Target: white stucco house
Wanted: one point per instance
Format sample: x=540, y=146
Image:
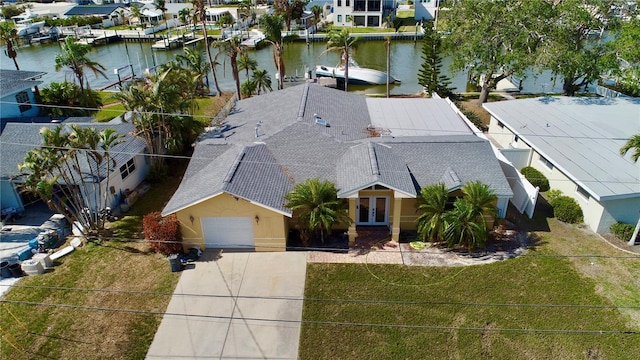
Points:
x=17, y=139
x=575, y=142
x=370, y=13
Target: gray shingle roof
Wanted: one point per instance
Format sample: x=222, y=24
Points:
x=12, y=81
x=18, y=139
x=469, y=156
x=94, y=9
x=580, y=136
x=249, y=172
x=291, y=148
x=372, y=163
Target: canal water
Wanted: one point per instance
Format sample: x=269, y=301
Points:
x=299, y=58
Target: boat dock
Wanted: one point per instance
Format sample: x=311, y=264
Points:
x=173, y=41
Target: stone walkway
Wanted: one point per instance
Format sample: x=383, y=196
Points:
x=391, y=252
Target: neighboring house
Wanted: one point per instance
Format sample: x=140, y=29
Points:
x=109, y=13
x=426, y=9
x=575, y=142
x=132, y=165
x=370, y=13
x=378, y=152
x=17, y=93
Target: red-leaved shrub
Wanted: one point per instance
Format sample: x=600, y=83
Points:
x=163, y=233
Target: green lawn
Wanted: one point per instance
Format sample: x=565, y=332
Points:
x=443, y=301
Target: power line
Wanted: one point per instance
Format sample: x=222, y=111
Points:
x=339, y=300
x=462, y=132
x=315, y=165
x=345, y=250
x=336, y=323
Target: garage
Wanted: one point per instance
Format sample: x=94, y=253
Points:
x=228, y=232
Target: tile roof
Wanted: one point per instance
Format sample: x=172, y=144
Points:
x=580, y=136
x=291, y=148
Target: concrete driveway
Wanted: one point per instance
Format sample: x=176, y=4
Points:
x=235, y=306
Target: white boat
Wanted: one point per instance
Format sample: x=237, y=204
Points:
x=26, y=27
x=357, y=74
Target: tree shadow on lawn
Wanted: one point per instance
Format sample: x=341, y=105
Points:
x=539, y=222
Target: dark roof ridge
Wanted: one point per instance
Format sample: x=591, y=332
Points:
x=234, y=166
x=303, y=102
x=375, y=169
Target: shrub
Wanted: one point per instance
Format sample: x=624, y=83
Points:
x=622, y=231
x=163, y=234
x=536, y=178
x=566, y=209
x=552, y=194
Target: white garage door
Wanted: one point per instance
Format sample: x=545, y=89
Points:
x=228, y=232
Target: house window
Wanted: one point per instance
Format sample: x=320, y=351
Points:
x=127, y=169
x=348, y=3
x=23, y=101
x=500, y=125
x=339, y=18
x=546, y=162
x=515, y=139
x=580, y=190
x=339, y=4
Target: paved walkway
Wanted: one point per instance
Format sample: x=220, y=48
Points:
x=235, y=306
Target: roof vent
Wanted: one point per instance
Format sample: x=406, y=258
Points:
x=320, y=121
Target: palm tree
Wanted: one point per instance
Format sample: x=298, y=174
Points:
x=249, y=88
x=136, y=11
x=632, y=144
x=262, y=80
x=272, y=29
x=433, y=202
x=74, y=56
x=161, y=5
x=466, y=224
x=317, y=11
x=9, y=35
x=317, y=206
x=463, y=227
x=342, y=42
x=185, y=16
x=481, y=198
x=201, y=14
x=194, y=59
x=232, y=48
x=246, y=63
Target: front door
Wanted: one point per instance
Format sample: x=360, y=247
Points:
x=373, y=210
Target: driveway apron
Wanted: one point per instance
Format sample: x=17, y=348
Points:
x=235, y=306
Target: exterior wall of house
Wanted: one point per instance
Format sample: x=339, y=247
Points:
x=425, y=9
x=270, y=232
x=9, y=107
x=623, y=210
x=502, y=135
x=368, y=13
x=9, y=197
x=130, y=182
x=409, y=214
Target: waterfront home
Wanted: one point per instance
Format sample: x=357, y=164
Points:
x=370, y=13
x=379, y=152
x=575, y=142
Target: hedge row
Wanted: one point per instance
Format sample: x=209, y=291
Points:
x=622, y=231
x=536, y=178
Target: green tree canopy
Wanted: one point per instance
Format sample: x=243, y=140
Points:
x=430, y=75
x=493, y=39
x=432, y=207
x=290, y=10
x=566, y=46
